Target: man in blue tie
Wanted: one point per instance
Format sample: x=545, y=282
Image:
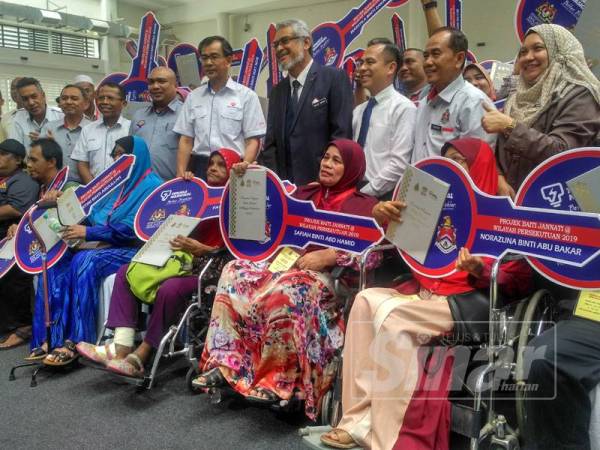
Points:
x=309, y=108
x=384, y=126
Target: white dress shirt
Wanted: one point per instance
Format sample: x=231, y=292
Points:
x=221, y=119
x=301, y=78
x=454, y=113
x=23, y=124
x=97, y=142
x=389, y=142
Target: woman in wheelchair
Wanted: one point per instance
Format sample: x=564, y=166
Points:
x=74, y=282
x=120, y=356
x=384, y=400
x=275, y=335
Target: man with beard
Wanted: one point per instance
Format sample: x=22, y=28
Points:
x=36, y=114
x=220, y=113
x=74, y=102
x=154, y=123
x=307, y=109
x=97, y=140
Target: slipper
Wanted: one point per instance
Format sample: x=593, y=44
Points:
x=62, y=358
x=131, y=366
x=212, y=379
x=100, y=354
x=269, y=397
x=325, y=439
x=23, y=337
x=36, y=354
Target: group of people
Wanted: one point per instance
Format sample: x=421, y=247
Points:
x=271, y=335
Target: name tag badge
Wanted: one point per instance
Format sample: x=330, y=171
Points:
x=318, y=102
x=436, y=128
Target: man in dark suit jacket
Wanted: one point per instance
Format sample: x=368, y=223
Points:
x=308, y=109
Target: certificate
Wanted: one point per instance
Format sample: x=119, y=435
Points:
x=247, y=205
x=7, y=251
x=157, y=250
x=47, y=228
x=424, y=196
x=69, y=208
x=586, y=190
x=188, y=70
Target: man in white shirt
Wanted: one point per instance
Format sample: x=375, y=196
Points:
x=452, y=108
x=36, y=114
x=221, y=113
x=92, y=151
x=384, y=126
x=412, y=75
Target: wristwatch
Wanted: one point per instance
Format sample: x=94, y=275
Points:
x=432, y=4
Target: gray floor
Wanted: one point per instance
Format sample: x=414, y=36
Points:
x=89, y=409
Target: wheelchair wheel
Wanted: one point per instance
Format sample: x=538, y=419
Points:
x=192, y=373
x=325, y=413
x=537, y=319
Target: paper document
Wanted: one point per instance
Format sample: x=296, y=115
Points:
x=247, y=205
x=588, y=305
x=69, y=208
x=586, y=190
x=284, y=261
x=157, y=250
x=188, y=70
x=7, y=251
x=47, y=228
x=424, y=196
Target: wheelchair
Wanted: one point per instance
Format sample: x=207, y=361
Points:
x=183, y=339
x=495, y=330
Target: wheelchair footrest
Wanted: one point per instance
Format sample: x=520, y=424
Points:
x=466, y=421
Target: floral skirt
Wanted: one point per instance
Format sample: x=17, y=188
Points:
x=277, y=331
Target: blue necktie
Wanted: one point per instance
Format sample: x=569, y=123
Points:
x=364, y=123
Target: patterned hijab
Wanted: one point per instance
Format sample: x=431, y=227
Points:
x=567, y=68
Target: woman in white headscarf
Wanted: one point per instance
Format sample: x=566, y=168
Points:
x=556, y=106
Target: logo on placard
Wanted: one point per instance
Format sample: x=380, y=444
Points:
x=164, y=195
x=546, y=12
x=184, y=210
x=553, y=194
x=34, y=248
x=158, y=215
x=330, y=56
x=445, y=239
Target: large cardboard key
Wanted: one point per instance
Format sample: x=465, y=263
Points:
x=297, y=223
x=534, y=12
x=330, y=39
x=250, y=65
x=27, y=248
x=492, y=226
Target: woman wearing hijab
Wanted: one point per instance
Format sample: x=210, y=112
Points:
x=476, y=75
x=384, y=400
x=74, y=283
x=273, y=334
x=120, y=356
x=556, y=106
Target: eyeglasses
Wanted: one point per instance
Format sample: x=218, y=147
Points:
x=284, y=41
x=213, y=57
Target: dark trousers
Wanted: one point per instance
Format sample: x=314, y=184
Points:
x=16, y=293
x=569, y=369
x=198, y=164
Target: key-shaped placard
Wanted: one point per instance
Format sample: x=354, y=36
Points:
x=297, y=223
x=330, y=39
x=250, y=66
x=398, y=32
x=136, y=83
x=535, y=12
x=27, y=248
x=454, y=14
x=492, y=226
x=275, y=75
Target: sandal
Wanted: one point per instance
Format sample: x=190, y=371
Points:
x=347, y=442
x=131, y=366
x=23, y=335
x=60, y=357
x=268, y=398
x=36, y=354
x=100, y=354
x=212, y=379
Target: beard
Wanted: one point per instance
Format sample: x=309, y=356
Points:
x=291, y=63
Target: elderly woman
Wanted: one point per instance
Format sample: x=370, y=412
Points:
x=120, y=356
x=477, y=75
x=556, y=106
x=273, y=334
x=384, y=398
x=74, y=283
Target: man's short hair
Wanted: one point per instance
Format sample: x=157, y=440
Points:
x=299, y=27
x=458, y=41
x=28, y=81
x=391, y=50
x=50, y=150
x=413, y=49
x=112, y=84
x=225, y=45
x=74, y=86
